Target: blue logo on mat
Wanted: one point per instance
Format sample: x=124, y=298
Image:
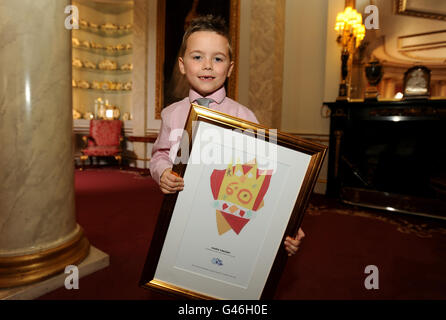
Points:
x=217, y=261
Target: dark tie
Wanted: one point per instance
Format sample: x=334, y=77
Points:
x=204, y=102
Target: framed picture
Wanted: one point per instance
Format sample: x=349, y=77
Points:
x=173, y=18
x=416, y=82
x=429, y=9
x=246, y=189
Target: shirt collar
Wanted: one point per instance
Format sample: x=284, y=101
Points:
x=218, y=96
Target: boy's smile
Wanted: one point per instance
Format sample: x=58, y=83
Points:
x=206, y=62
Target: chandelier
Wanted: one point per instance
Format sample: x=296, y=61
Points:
x=349, y=27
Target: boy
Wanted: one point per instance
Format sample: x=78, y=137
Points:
x=206, y=62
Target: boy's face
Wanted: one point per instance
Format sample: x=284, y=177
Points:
x=206, y=63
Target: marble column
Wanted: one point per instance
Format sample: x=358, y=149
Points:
x=39, y=235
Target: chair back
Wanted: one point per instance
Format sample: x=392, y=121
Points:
x=106, y=132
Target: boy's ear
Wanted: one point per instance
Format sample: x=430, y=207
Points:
x=231, y=66
x=181, y=65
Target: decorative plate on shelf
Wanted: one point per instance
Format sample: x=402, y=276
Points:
x=116, y=113
x=108, y=64
x=126, y=116
x=88, y=116
x=76, y=114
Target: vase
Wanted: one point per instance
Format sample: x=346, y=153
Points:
x=373, y=73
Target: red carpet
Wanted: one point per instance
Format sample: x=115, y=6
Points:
x=118, y=211
x=410, y=256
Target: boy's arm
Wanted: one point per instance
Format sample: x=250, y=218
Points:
x=292, y=243
x=160, y=160
x=248, y=115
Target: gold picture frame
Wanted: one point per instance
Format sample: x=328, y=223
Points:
x=404, y=7
x=196, y=254
x=234, y=26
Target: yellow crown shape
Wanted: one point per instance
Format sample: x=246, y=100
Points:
x=244, y=185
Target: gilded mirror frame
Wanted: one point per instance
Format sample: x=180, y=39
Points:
x=403, y=8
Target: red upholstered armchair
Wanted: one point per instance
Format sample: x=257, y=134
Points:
x=104, y=140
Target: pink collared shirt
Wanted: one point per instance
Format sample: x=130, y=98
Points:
x=174, y=117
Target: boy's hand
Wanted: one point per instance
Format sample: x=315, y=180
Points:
x=292, y=244
x=170, y=182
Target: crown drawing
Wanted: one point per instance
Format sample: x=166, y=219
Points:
x=238, y=192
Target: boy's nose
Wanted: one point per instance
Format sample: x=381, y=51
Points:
x=207, y=64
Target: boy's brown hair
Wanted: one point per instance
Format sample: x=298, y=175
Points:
x=207, y=23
